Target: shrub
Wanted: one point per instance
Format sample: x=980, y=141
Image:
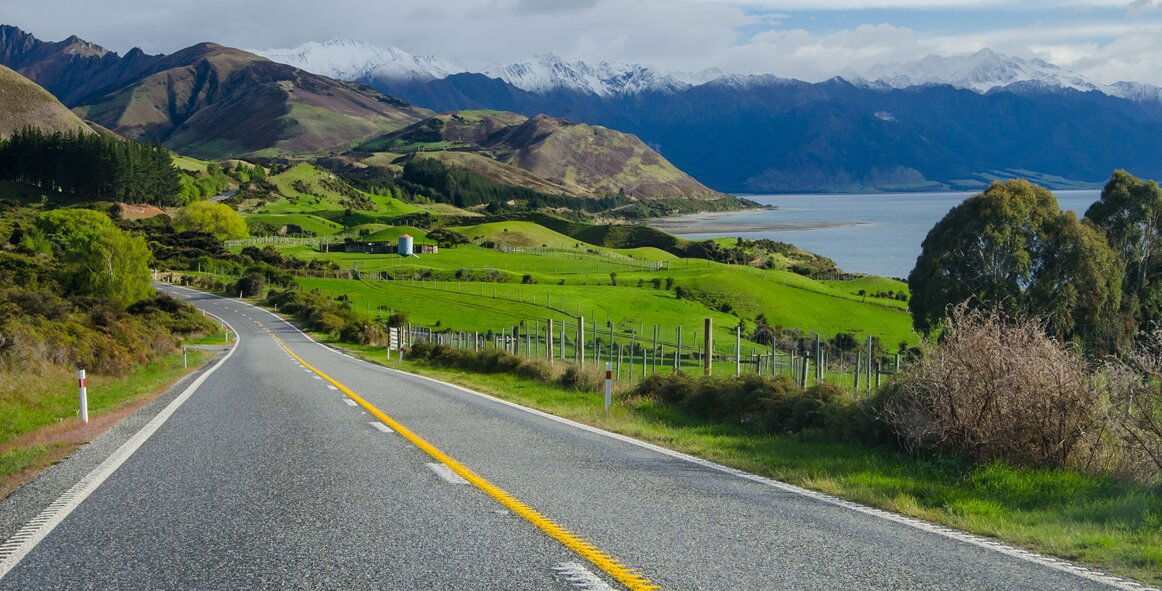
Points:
x=996, y=387
x=486, y=361
x=364, y=332
x=251, y=285
x=397, y=319
x=760, y=403
x=1133, y=387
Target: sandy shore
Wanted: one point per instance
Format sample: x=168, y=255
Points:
x=716, y=223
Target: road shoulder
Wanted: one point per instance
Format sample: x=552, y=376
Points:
x=27, y=501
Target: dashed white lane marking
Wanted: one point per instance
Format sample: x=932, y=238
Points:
x=446, y=473
x=580, y=577
x=330, y=387
x=317, y=377
x=380, y=426
x=349, y=402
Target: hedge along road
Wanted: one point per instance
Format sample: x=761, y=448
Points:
x=294, y=466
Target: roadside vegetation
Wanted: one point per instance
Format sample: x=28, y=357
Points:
x=1031, y=413
x=75, y=293
x=1015, y=390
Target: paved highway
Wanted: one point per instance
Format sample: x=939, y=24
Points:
x=287, y=465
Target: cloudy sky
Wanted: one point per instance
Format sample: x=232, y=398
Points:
x=1107, y=40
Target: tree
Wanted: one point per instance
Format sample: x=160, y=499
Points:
x=98, y=259
x=1130, y=214
x=215, y=219
x=1012, y=248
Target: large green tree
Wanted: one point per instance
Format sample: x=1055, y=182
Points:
x=216, y=219
x=1011, y=247
x=97, y=259
x=1130, y=214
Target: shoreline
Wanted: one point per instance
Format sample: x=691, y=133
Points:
x=713, y=223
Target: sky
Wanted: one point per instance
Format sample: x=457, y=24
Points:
x=1106, y=40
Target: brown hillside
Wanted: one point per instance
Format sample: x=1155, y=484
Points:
x=23, y=103
x=542, y=153
x=212, y=101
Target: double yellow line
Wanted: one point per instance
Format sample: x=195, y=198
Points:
x=618, y=571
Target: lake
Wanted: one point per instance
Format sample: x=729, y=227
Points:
x=866, y=233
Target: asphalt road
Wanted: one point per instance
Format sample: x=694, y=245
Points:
x=269, y=477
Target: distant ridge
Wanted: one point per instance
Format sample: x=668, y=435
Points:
x=207, y=100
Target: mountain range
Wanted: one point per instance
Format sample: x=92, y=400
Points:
x=934, y=124
x=214, y=102
x=939, y=123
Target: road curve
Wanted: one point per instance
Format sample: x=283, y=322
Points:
x=270, y=476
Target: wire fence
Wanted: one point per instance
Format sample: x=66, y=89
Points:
x=633, y=355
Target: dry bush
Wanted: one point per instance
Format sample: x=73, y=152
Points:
x=996, y=387
x=1133, y=385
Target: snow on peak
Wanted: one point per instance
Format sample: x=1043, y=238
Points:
x=981, y=71
x=546, y=72
x=345, y=59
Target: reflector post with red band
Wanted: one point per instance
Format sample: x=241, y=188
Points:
x=83, y=384
x=608, y=384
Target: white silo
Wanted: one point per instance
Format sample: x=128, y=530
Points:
x=405, y=245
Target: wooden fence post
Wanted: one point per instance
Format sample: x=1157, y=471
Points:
x=869, y=363
x=581, y=341
x=708, y=347
x=738, y=350
x=549, y=340
x=855, y=380
x=654, y=353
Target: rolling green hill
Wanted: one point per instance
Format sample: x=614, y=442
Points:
x=311, y=223
x=580, y=279
x=305, y=188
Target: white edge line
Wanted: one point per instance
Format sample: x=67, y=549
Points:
x=40, y=526
x=1059, y=564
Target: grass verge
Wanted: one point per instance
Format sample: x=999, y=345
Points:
x=39, y=427
x=1108, y=524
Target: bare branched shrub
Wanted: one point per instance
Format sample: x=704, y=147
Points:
x=1134, y=388
x=996, y=387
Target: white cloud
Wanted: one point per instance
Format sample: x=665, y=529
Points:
x=686, y=35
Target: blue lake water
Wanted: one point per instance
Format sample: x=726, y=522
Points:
x=877, y=233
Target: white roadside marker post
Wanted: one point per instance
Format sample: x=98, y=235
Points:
x=185, y=364
x=83, y=384
x=608, y=384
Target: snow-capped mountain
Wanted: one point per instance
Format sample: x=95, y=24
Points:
x=345, y=59
x=546, y=72
x=1136, y=91
x=981, y=71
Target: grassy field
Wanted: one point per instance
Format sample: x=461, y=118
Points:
x=392, y=234
x=576, y=281
x=1095, y=520
x=320, y=197
x=312, y=223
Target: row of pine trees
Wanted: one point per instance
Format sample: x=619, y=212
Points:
x=92, y=165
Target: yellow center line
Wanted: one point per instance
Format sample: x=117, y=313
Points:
x=615, y=569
